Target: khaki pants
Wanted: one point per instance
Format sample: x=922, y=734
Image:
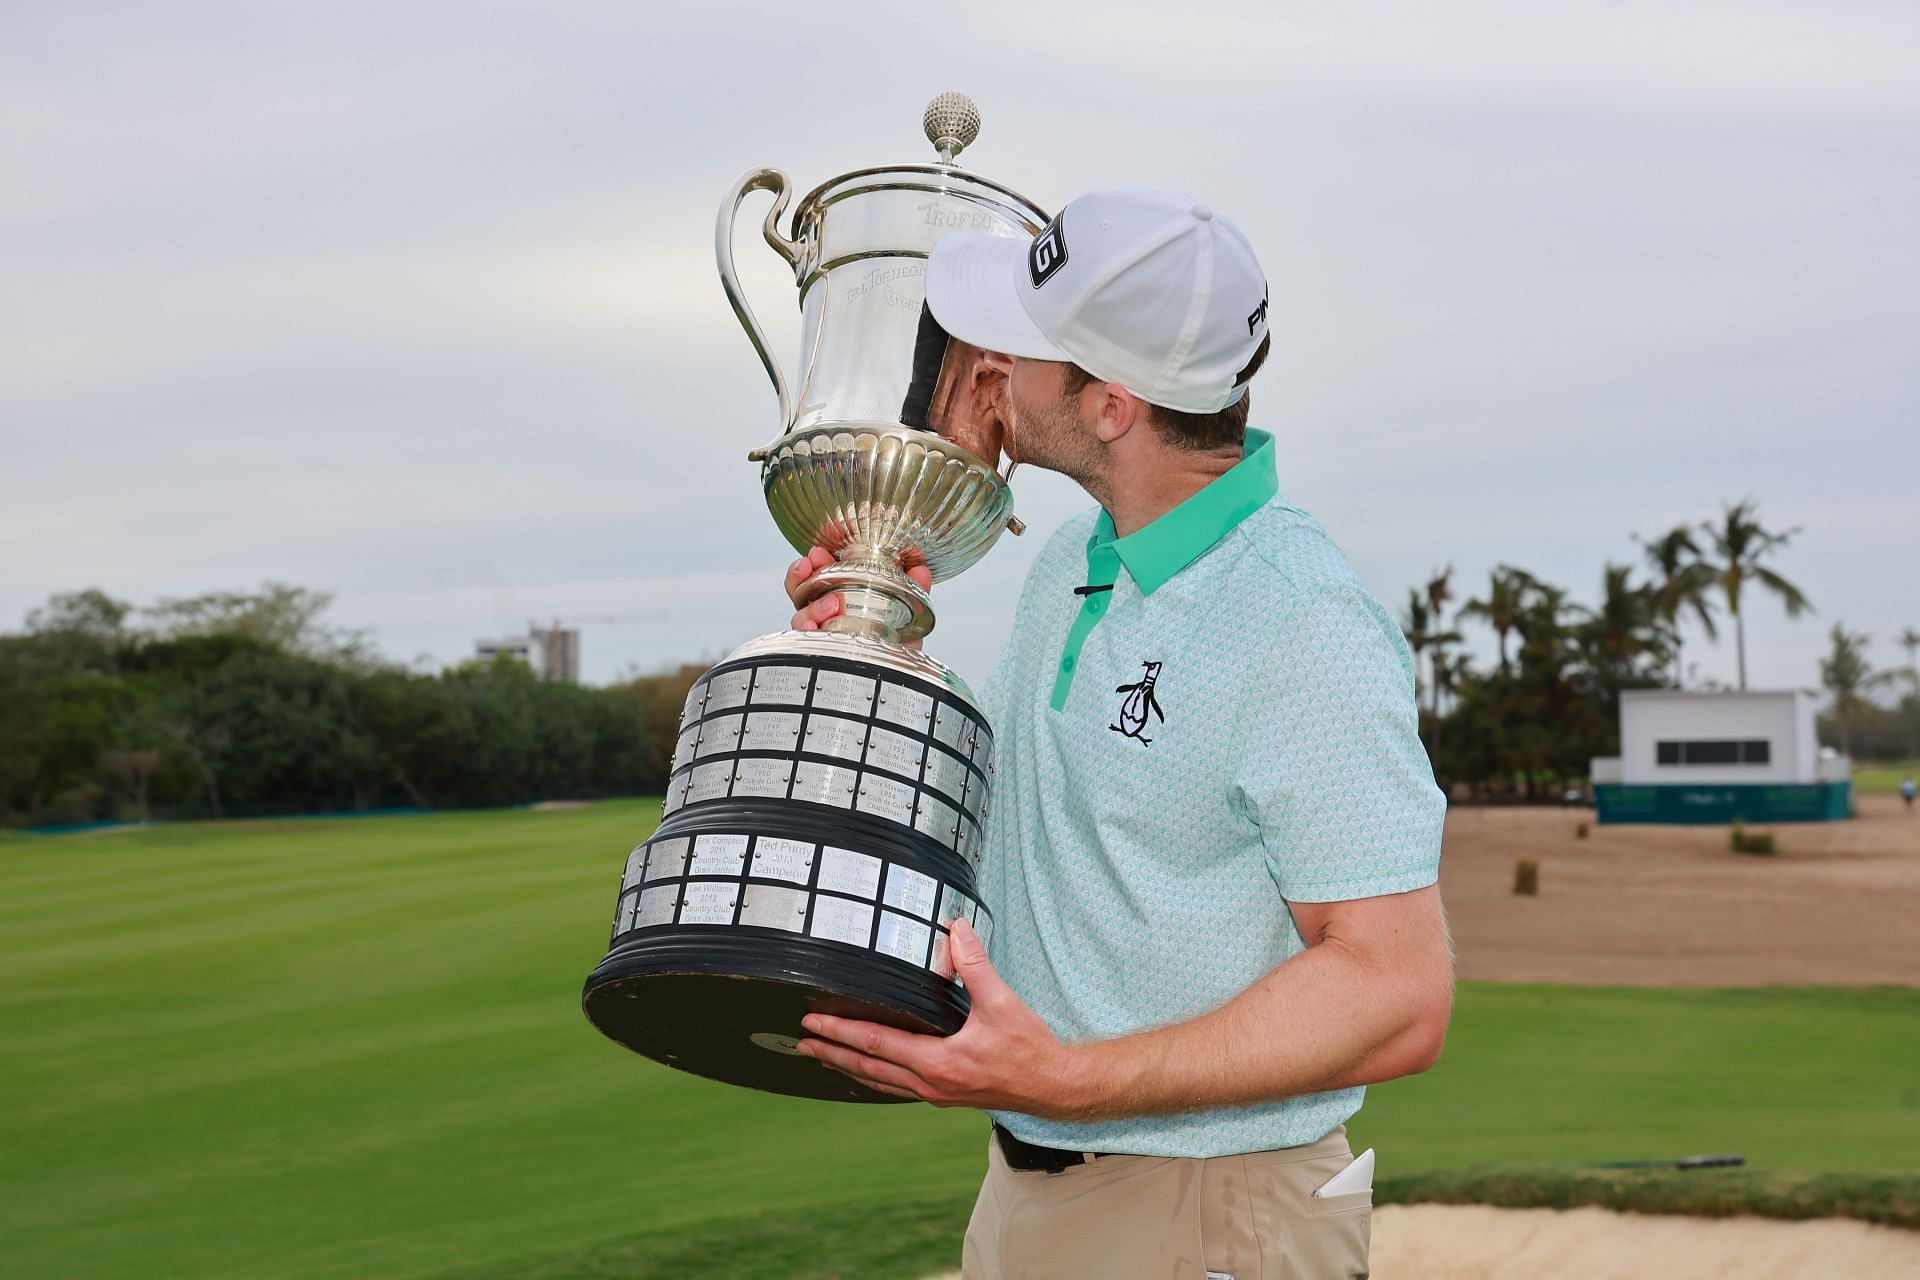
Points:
x=1251, y=1217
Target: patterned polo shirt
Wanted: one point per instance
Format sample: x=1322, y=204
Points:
x=1228, y=727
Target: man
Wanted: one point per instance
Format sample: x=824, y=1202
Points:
x=1215, y=836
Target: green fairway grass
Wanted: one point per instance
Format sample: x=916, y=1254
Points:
x=1882, y=777
x=354, y=1048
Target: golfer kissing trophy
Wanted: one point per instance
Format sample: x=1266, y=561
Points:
x=824, y=815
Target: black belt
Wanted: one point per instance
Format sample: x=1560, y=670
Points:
x=1028, y=1158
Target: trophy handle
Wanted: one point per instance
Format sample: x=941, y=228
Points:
x=756, y=180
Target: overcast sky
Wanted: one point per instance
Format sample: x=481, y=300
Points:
x=415, y=303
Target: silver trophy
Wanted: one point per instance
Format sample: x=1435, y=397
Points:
x=829, y=789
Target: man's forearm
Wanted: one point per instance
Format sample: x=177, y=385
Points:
x=1326, y=1019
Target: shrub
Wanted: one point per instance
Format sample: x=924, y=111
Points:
x=1526, y=877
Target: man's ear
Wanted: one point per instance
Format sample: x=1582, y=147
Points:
x=1118, y=412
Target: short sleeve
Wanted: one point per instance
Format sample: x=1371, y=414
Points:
x=1334, y=772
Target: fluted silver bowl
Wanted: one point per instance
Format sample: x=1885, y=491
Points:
x=911, y=495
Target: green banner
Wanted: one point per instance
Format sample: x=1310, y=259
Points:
x=1749, y=802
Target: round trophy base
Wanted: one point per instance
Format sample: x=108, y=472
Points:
x=729, y=1008
x=817, y=842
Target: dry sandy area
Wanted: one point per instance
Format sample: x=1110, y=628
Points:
x=1673, y=906
x=1467, y=1242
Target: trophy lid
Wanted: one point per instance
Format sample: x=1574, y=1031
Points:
x=951, y=123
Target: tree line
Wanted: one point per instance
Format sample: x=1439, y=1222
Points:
x=248, y=704
x=233, y=704
x=1530, y=724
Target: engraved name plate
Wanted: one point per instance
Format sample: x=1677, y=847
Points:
x=756, y=777
x=844, y=871
x=718, y=856
x=729, y=690
x=953, y=905
x=967, y=841
x=895, y=752
x=777, y=859
x=623, y=914
x=834, y=736
x=885, y=797
x=676, y=794
x=771, y=730
x=946, y=774
x=823, y=784
x=785, y=685
x=839, y=691
x=904, y=706
x=938, y=819
x=942, y=961
x=669, y=858
x=709, y=781
x=902, y=938
x=636, y=869
x=656, y=906
x=949, y=723
x=706, y=902
x=841, y=920
x=976, y=795
x=683, y=749
x=910, y=891
x=984, y=927
x=718, y=735
x=769, y=907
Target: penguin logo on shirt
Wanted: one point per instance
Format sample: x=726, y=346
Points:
x=1139, y=701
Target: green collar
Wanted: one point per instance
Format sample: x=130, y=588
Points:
x=1181, y=536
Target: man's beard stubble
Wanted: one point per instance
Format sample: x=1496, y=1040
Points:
x=1053, y=439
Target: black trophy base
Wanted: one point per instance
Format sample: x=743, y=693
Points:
x=728, y=1007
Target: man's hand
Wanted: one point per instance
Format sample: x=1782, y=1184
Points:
x=1375, y=986
x=811, y=617
x=1003, y=1059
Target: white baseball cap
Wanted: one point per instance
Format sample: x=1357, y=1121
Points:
x=1137, y=285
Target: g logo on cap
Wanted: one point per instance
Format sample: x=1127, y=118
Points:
x=1048, y=254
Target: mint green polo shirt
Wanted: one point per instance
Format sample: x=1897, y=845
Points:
x=1230, y=727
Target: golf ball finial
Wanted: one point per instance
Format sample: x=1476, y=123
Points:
x=952, y=123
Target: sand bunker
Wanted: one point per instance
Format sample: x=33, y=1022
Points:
x=1469, y=1242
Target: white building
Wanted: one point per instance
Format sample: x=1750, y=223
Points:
x=1714, y=756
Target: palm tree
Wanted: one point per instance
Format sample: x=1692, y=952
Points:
x=1740, y=542
x=1684, y=583
x=1504, y=603
x=1448, y=669
x=1626, y=625
x=1847, y=675
x=1416, y=625
x=1909, y=640
x=1439, y=591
